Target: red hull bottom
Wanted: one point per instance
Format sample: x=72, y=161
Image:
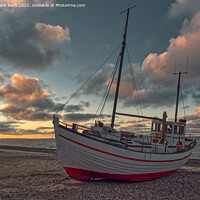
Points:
x=87, y=175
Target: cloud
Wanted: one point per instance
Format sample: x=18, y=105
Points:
x=85, y=103
x=183, y=7
x=28, y=113
x=196, y=95
x=77, y=107
x=12, y=128
x=194, y=117
x=194, y=125
x=74, y=108
x=24, y=90
x=51, y=33
x=7, y=126
x=26, y=45
x=97, y=84
x=156, y=83
x=12, y=1
x=26, y=99
x=1, y=79
x=193, y=122
x=44, y=128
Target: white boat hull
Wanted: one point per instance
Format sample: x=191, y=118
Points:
x=86, y=158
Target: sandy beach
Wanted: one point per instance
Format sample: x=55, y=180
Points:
x=28, y=173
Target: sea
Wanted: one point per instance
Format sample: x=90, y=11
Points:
x=51, y=144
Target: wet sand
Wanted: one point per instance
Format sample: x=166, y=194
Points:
x=29, y=173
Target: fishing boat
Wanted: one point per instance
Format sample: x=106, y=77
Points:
x=102, y=151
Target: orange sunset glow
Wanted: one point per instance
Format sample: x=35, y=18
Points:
x=12, y=1
x=35, y=136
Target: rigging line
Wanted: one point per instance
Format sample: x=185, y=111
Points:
x=133, y=86
x=88, y=79
x=101, y=102
x=172, y=100
x=113, y=76
x=135, y=90
x=134, y=83
x=107, y=89
x=137, y=104
x=183, y=104
x=48, y=157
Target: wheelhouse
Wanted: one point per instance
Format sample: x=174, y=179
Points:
x=174, y=131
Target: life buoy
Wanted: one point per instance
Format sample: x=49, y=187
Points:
x=179, y=145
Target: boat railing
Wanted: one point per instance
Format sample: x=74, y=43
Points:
x=65, y=124
x=75, y=127
x=80, y=128
x=188, y=135
x=111, y=134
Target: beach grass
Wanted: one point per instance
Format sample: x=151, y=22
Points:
x=35, y=174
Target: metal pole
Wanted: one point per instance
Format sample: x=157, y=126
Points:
x=140, y=116
x=120, y=69
x=177, y=97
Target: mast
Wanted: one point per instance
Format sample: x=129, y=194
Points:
x=177, y=96
x=120, y=67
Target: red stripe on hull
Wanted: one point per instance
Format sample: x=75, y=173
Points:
x=111, y=154
x=86, y=175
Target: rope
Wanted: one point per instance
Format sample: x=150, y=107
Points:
x=110, y=84
x=172, y=100
x=105, y=94
x=183, y=104
x=47, y=161
x=87, y=80
x=138, y=104
x=134, y=85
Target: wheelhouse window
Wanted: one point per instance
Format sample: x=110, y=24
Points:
x=159, y=127
x=169, y=128
x=175, y=129
x=154, y=127
x=181, y=130
x=178, y=130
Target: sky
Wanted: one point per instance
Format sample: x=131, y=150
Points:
x=47, y=54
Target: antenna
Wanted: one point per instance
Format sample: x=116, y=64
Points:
x=128, y=9
x=185, y=72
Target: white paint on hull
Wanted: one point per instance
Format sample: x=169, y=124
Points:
x=74, y=155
